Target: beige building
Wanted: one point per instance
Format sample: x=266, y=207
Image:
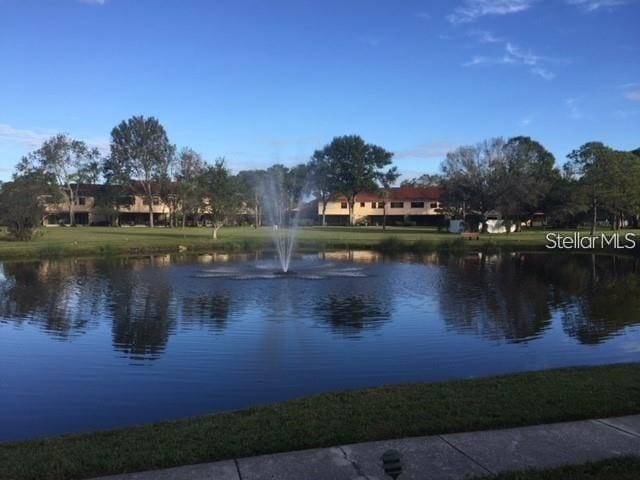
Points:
x=132, y=209
x=404, y=206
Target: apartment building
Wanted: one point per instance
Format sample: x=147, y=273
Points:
x=403, y=205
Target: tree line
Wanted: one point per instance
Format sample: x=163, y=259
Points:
x=517, y=178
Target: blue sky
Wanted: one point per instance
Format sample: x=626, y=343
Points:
x=260, y=81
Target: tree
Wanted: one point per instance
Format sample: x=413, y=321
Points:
x=386, y=182
x=426, y=180
x=358, y=167
x=590, y=165
x=22, y=203
x=468, y=177
x=190, y=168
x=322, y=176
x=251, y=183
x=68, y=163
x=140, y=151
x=522, y=177
x=222, y=193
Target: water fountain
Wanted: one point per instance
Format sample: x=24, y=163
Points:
x=282, y=217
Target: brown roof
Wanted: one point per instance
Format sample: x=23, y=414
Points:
x=400, y=193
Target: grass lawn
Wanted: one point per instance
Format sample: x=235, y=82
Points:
x=333, y=419
x=627, y=468
x=88, y=241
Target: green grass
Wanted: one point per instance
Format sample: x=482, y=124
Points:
x=625, y=468
x=333, y=419
x=92, y=241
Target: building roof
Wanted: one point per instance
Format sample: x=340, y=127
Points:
x=399, y=193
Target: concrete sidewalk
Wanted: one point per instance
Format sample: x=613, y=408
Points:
x=453, y=456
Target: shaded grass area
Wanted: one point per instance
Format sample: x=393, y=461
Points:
x=92, y=241
x=333, y=419
x=625, y=468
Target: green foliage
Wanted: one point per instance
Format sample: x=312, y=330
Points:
x=607, y=180
x=357, y=166
x=22, y=205
x=66, y=163
x=140, y=151
x=222, y=193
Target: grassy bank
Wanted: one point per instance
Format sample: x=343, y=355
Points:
x=333, y=419
x=92, y=241
x=627, y=468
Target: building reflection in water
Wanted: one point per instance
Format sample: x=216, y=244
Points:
x=512, y=298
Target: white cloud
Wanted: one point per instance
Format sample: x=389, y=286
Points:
x=593, y=5
x=31, y=139
x=94, y=2
x=633, y=95
x=471, y=10
x=526, y=121
x=26, y=138
x=484, y=36
x=429, y=150
x=514, y=55
x=572, y=104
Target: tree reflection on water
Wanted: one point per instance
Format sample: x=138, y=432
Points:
x=512, y=298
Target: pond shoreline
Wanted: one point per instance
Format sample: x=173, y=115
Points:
x=351, y=416
x=91, y=242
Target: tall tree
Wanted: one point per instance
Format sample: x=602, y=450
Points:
x=68, y=163
x=222, y=193
x=589, y=165
x=386, y=183
x=190, y=167
x=323, y=179
x=468, y=177
x=250, y=184
x=522, y=177
x=140, y=151
x=358, y=166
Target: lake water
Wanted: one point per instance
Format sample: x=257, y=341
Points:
x=92, y=344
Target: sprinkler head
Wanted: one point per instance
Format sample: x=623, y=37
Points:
x=392, y=463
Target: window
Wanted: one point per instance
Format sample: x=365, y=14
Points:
x=156, y=201
x=82, y=200
x=343, y=205
x=380, y=204
x=361, y=204
x=433, y=205
x=397, y=204
x=417, y=204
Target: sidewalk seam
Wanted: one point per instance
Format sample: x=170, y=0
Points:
x=353, y=463
x=235, y=461
x=615, y=427
x=441, y=437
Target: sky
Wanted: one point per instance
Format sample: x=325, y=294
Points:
x=269, y=81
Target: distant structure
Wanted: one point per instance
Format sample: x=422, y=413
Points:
x=131, y=208
x=407, y=206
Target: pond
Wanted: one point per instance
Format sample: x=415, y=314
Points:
x=92, y=344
